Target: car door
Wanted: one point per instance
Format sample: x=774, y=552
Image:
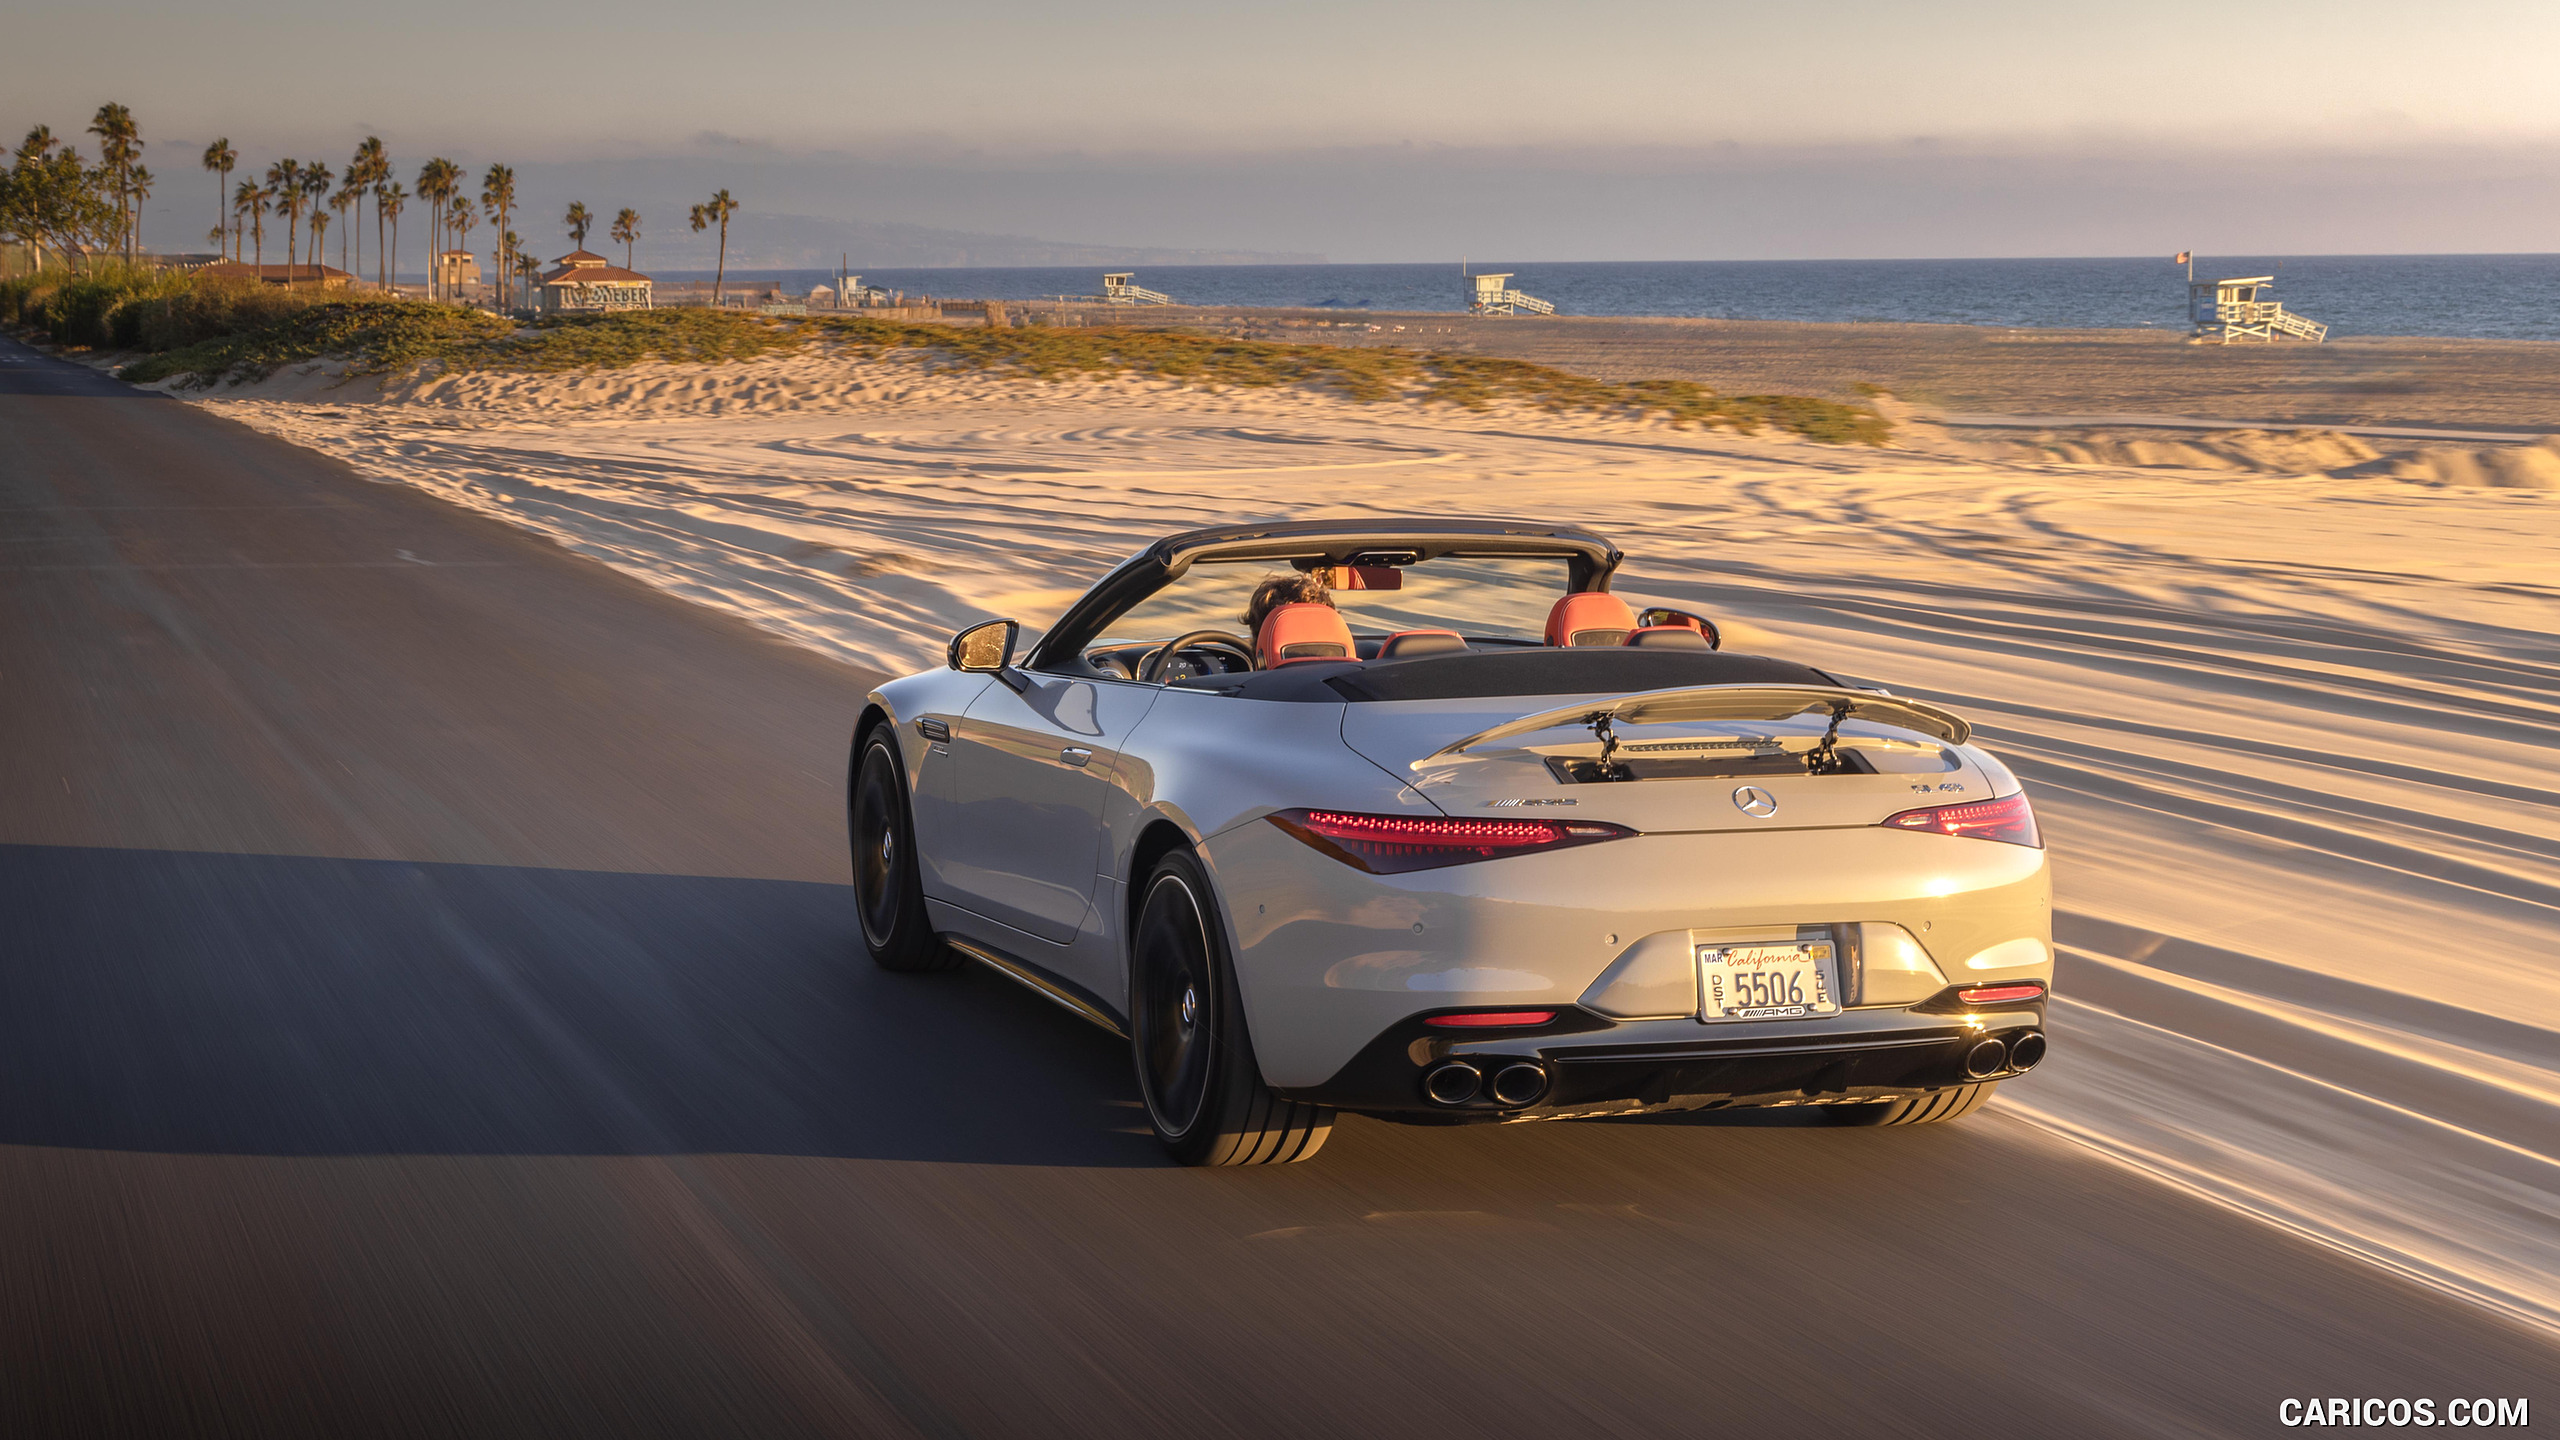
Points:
x=1029, y=769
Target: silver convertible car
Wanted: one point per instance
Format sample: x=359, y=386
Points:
x=1415, y=819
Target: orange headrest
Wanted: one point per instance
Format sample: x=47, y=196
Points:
x=1306, y=630
x=1670, y=637
x=1589, y=619
x=1406, y=644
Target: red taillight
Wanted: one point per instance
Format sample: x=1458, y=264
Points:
x=1392, y=844
x=2010, y=820
x=2000, y=994
x=1490, y=1019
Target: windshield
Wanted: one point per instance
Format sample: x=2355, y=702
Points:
x=1494, y=598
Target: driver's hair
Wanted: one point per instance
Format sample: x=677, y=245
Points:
x=1298, y=588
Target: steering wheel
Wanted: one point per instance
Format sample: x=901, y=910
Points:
x=1151, y=670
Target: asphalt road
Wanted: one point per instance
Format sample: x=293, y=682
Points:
x=430, y=1004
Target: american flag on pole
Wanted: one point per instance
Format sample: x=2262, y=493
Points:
x=2182, y=259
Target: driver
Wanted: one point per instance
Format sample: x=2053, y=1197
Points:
x=1300, y=588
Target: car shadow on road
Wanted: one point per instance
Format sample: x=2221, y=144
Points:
x=190, y=1002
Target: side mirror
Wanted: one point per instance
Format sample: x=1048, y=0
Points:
x=985, y=648
x=1647, y=619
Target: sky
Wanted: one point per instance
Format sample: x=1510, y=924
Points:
x=1391, y=129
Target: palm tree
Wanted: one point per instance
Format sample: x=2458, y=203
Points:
x=460, y=217
x=249, y=202
x=388, y=201
x=438, y=181
x=716, y=211
x=498, y=192
x=284, y=191
x=315, y=193
x=138, y=185
x=373, y=169
x=626, y=228
x=580, y=221
x=503, y=250
x=350, y=190
x=219, y=157
x=119, y=146
x=319, y=237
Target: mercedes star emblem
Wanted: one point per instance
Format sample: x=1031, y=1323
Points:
x=1753, y=801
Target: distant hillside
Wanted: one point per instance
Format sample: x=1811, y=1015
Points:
x=808, y=242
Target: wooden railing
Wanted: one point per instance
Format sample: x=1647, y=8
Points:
x=2264, y=320
x=1504, y=302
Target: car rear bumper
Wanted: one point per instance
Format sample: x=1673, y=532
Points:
x=1330, y=958
x=1588, y=1065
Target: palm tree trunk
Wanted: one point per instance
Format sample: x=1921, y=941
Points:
x=721, y=275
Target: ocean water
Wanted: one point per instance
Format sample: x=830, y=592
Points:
x=2506, y=297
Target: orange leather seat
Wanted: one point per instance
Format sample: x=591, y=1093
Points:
x=1589, y=619
x=1406, y=644
x=1303, y=631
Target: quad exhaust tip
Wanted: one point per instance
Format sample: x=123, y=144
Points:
x=1454, y=1083
x=1519, y=1084
x=1987, y=1058
x=2026, y=1051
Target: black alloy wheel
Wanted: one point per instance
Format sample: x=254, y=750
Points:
x=1173, y=1020
x=1203, y=1090
x=888, y=893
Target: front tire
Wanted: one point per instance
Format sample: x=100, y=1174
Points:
x=1204, y=1093
x=888, y=889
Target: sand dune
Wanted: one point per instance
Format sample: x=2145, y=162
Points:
x=2291, y=732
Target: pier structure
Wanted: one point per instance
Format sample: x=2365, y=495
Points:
x=2233, y=310
x=1124, y=289
x=1493, y=295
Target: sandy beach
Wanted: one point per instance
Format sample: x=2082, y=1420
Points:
x=2502, y=385
x=2285, y=697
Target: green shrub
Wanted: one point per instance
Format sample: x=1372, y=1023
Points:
x=88, y=306
x=385, y=336
x=379, y=336
x=209, y=309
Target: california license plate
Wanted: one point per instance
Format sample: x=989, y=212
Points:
x=1789, y=981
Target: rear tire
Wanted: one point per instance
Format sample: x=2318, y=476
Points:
x=888, y=889
x=1934, y=1108
x=1196, y=1072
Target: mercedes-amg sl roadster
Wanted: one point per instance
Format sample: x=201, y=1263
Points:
x=1415, y=819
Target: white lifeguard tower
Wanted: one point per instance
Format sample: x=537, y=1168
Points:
x=1493, y=295
x=2232, y=310
x=852, y=294
x=1123, y=289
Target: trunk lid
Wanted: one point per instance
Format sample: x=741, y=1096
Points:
x=1707, y=758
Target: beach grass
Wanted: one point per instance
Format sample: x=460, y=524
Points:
x=1473, y=382
x=203, y=336
x=382, y=337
